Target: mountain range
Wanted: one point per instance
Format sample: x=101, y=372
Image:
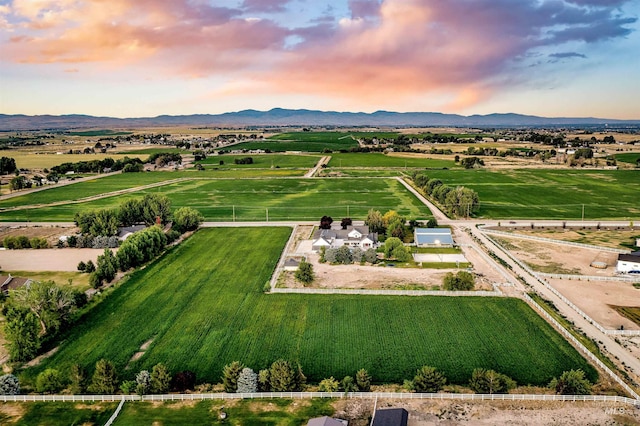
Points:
x=299, y=117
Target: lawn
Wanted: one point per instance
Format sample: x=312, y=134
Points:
x=275, y=412
x=550, y=194
x=252, y=199
x=202, y=306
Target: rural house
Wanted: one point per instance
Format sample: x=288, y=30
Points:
x=433, y=237
x=629, y=262
x=8, y=282
x=353, y=236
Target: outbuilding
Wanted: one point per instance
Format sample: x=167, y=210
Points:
x=433, y=237
x=629, y=262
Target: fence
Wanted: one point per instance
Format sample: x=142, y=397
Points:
x=581, y=347
x=590, y=277
x=580, y=312
x=550, y=240
x=115, y=413
x=386, y=292
x=309, y=395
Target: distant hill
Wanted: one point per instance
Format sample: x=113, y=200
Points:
x=298, y=117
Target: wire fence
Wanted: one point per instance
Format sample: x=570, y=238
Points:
x=387, y=292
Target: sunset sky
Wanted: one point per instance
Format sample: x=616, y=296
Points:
x=139, y=58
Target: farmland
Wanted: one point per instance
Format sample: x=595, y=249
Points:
x=377, y=160
x=303, y=141
x=202, y=307
x=628, y=157
x=264, y=161
x=549, y=194
x=285, y=199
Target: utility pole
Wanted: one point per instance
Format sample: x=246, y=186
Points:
x=267, y=215
x=583, y=213
x=233, y=214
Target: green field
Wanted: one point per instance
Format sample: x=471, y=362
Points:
x=302, y=141
x=285, y=199
x=58, y=413
x=549, y=194
x=378, y=160
x=628, y=157
x=264, y=161
x=202, y=305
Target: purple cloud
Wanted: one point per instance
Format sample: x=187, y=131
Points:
x=265, y=5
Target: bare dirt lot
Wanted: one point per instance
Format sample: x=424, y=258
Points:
x=613, y=238
x=450, y=413
x=51, y=233
x=66, y=259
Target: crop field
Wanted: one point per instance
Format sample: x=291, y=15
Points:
x=254, y=199
x=378, y=160
x=31, y=160
x=550, y=194
x=202, y=306
x=103, y=132
x=302, y=141
x=263, y=161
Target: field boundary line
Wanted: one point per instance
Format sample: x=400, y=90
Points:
x=551, y=240
x=590, y=277
x=283, y=255
x=309, y=395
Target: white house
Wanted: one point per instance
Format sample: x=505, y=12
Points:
x=628, y=262
x=353, y=236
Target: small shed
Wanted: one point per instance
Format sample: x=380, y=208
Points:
x=391, y=417
x=628, y=262
x=433, y=237
x=291, y=264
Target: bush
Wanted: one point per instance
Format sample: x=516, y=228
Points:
x=49, y=381
x=82, y=267
x=329, y=385
x=143, y=382
x=371, y=256
x=187, y=219
x=363, y=380
x=282, y=376
x=489, y=382
x=230, y=374
x=572, y=382
x=160, y=379
x=305, y=274
x=349, y=385
x=461, y=281
x=9, y=385
x=247, y=381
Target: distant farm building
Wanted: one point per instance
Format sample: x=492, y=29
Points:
x=629, y=262
x=433, y=237
x=353, y=236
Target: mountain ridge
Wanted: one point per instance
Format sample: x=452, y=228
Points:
x=299, y=117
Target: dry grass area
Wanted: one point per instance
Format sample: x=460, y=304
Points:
x=51, y=233
x=613, y=238
x=428, y=413
x=44, y=260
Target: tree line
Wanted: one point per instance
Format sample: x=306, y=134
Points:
x=458, y=201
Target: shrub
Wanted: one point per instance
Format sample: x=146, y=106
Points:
x=230, y=374
x=247, y=381
x=329, y=385
x=349, y=385
x=143, y=382
x=282, y=376
x=9, y=385
x=572, y=382
x=371, y=256
x=187, y=219
x=428, y=379
x=160, y=379
x=363, y=380
x=305, y=274
x=77, y=379
x=489, y=381
x=461, y=281
x=49, y=381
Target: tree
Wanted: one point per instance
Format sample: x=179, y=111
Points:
x=187, y=219
x=17, y=183
x=461, y=281
x=230, y=374
x=325, y=222
x=7, y=165
x=130, y=212
x=22, y=330
x=343, y=255
x=428, y=379
x=371, y=256
x=305, y=274
x=329, y=385
x=160, y=379
x=77, y=379
x=346, y=222
x=184, y=380
x=49, y=381
x=247, y=381
x=572, y=382
x=395, y=249
x=349, y=385
x=104, y=380
x=396, y=228
x=374, y=221
x=282, y=376
x=9, y=385
x=264, y=382
x=50, y=303
x=154, y=207
x=143, y=382
x=390, y=217
x=363, y=380
x=490, y=381
x=106, y=269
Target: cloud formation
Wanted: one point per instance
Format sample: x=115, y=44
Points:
x=460, y=49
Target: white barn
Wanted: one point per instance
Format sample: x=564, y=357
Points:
x=628, y=262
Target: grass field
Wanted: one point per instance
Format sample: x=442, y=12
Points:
x=340, y=160
x=57, y=413
x=285, y=199
x=263, y=161
x=203, y=307
x=628, y=157
x=274, y=412
x=629, y=312
x=550, y=194
x=31, y=160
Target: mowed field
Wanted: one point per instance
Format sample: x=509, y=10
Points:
x=550, y=194
x=263, y=161
x=302, y=141
x=202, y=306
x=250, y=199
x=378, y=160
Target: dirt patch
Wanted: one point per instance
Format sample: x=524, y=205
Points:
x=11, y=411
x=604, y=237
x=66, y=259
x=37, y=360
x=146, y=345
x=141, y=351
x=427, y=413
x=51, y=233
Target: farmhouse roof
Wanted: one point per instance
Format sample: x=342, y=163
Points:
x=433, y=236
x=291, y=262
x=326, y=421
x=343, y=234
x=631, y=257
x=391, y=417
x=7, y=282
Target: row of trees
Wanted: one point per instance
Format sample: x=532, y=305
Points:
x=346, y=256
x=36, y=312
x=95, y=166
x=458, y=201
x=282, y=376
x=7, y=165
x=24, y=242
